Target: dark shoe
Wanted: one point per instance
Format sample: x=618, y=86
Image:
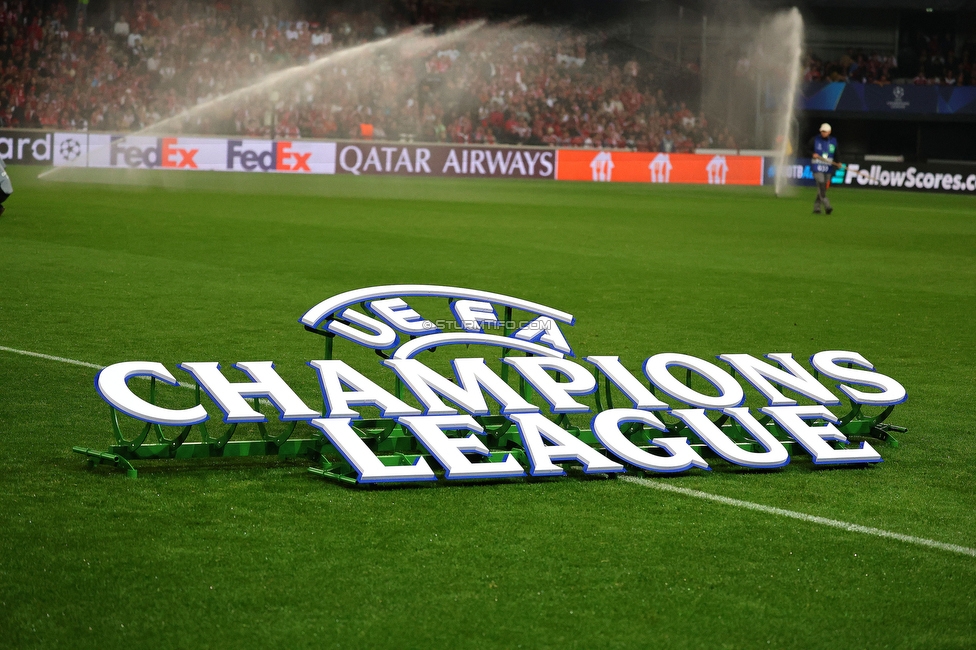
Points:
x=816, y=211
x=2, y=209
x=829, y=210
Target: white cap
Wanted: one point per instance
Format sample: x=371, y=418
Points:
x=825, y=127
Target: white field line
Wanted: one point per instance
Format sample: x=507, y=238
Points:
x=74, y=362
x=823, y=521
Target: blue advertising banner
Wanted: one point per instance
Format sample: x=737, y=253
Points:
x=855, y=97
x=928, y=177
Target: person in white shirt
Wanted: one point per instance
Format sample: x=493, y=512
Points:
x=6, y=188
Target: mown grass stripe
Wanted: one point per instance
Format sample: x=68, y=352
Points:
x=823, y=521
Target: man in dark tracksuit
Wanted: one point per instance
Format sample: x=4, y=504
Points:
x=6, y=188
x=823, y=149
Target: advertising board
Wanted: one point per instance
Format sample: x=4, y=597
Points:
x=444, y=160
x=640, y=167
x=22, y=147
x=889, y=100
x=298, y=156
x=109, y=151
x=102, y=150
x=919, y=177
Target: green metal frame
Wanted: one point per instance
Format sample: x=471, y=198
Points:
x=394, y=445
x=125, y=451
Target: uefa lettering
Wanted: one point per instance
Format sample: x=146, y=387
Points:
x=553, y=408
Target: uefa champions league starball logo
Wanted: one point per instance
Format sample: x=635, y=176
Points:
x=898, y=103
x=70, y=150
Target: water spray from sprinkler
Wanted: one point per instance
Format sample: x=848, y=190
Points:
x=412, y=43
x=791, y=25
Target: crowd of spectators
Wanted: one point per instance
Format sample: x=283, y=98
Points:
x=505, y=85
x=934, y=60
x=150, y=63
x=558, y=88
x=852, y=66
x=940, y=61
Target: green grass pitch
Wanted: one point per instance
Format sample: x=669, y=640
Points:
x=257, y=553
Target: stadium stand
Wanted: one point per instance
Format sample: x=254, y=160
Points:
x=157, y=59
x=935, y=60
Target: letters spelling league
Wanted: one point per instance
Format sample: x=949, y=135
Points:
x=543, y=440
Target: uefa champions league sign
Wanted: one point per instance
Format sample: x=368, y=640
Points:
x=650, y=421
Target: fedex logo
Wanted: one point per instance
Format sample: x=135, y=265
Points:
x=290, y=160
x=278, y=156
x=150, y=153
x=173, y=156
